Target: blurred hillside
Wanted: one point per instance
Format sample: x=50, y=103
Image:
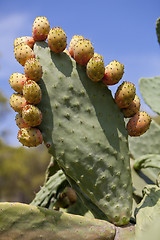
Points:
x=22, y=170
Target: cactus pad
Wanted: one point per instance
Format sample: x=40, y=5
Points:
x=85, y=131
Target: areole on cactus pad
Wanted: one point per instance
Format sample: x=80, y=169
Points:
x=82, y=126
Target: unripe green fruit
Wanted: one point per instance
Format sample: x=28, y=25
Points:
x=32, y=92
x=138, y=124
x=30, y=137
x=17, y=81
x=33, y=69
x=40, y=28
x=57, y=39
x=95, y=69
x=125, y=94
x=31, y=115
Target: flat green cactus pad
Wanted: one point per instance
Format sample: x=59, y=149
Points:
x=85, y=131
x=148, y=214
x=22, y=221
x=150, y=90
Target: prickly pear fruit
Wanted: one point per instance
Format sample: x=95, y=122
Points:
x=133, y=108
x=22, y=53
x=57, y=39
x=17, y=102
x=73, y=41
x=138, y=124
x=32, y=92
x=17, y=80
x=98, y=55
x=20, y=122
x=83, y=51
x=40, y=28
x=26, y=40
x=113, y=73
x=30, y=137
x=66, y=198
x=95, y=69
x=125, y=94
x=33, y=69
x=31, y=115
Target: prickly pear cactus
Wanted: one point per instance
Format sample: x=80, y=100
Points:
x=83, y=127
x=81, y=124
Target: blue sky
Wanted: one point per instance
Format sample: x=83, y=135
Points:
x=122, y=30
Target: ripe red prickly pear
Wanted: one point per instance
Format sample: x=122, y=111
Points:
x=20, y=122
x=73, y=42
x=17, y=80
x=133, y=108
x=83, y=51
x=32, y=92
x=30, y=137
x=125, y=94
x=26, y=40
x=33, y=69
x=138, y=124
x=95, y=69
x=17, y=102
x=31, y=115
x=40, y=29
x=57, y=39
x=113, y=73
x=23, y=52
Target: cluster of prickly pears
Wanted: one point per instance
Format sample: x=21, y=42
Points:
x=28, y=92
x=83, y=52
x=129, y=103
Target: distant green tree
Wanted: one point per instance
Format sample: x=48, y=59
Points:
x=22, y=172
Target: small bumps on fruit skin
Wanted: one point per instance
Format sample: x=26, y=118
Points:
x=26, y=40
x=20, y=122
x=17, y=81
x=98, y=55
x=138, y=124
x=57, y=39
x=17, y=102
x=125, y=94
x=32, y=92
x=83, y=51
x=23, y=52
x=73, y=42
x=32, y=115
x=95, y=69
x=133, y=108
x=30, y=137
x=113, y=73
x=40, y=28
x=33, y=69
